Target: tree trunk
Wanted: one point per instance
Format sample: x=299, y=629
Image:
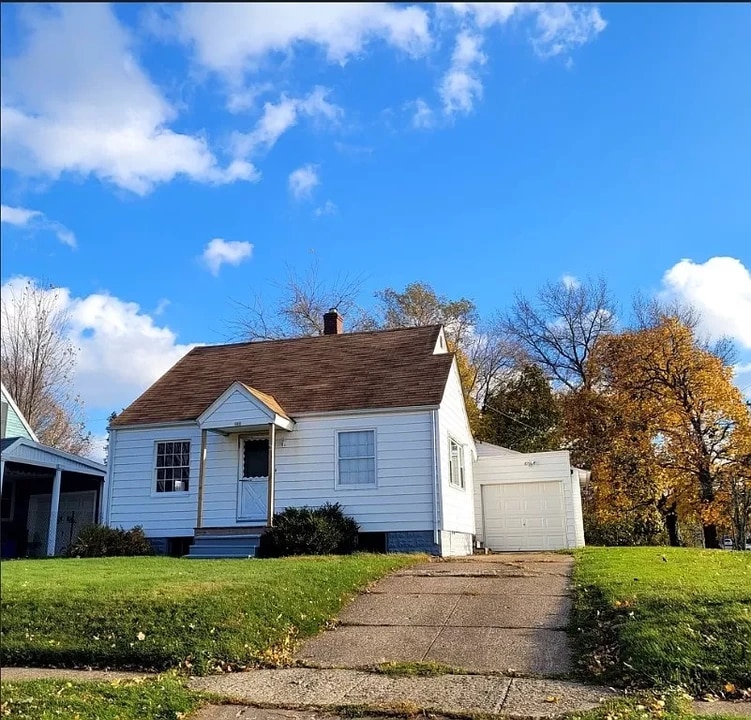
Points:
x=711, y=540
x=671, y=525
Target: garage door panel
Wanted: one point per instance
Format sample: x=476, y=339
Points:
x=523, y=516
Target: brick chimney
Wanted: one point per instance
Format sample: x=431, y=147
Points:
x=333, y=323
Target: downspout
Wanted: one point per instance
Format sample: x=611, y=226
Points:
x=107, y=504
x=436, y=478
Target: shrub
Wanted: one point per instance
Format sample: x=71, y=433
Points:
x=310, y=531
x=103, y=541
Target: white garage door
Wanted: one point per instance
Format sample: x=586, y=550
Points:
x=524, y=516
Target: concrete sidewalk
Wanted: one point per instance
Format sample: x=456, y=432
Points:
x=495, y=613
x=306, y=687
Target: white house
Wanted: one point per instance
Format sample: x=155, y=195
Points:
x=234, y=433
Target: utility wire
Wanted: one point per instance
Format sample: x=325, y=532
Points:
x=511, y=417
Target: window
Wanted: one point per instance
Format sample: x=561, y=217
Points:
x=172, y=466
x=256, y=458
x=456, y=464
x=356, y=458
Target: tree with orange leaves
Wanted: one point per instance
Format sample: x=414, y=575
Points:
x=689, y=417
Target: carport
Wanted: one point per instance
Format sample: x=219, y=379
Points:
x=527, y=501
x=48, y=496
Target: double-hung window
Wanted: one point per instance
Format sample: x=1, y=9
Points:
x=172, y=466
x=456, y=464
x=356, y=458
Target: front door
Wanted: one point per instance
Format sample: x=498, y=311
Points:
x=253, y=490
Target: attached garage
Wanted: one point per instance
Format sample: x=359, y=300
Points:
x=526, y=501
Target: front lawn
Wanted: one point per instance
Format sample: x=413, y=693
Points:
x=664, y=617
x=164, y=698
x=158, y=613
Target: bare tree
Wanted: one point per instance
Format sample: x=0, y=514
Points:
x=652, y=312
x=558, y=329
x=304, y=298
x=37, y=360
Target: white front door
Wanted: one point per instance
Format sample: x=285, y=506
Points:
x=524, y=516
x=253, y=487
x=75, y=511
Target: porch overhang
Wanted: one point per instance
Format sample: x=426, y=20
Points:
x=241, y=408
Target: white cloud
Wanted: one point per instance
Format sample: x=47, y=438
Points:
x=36, y=220
x=303, y=181
x=720, y=289
x=17, y=216
x=423, y=115
x=225, y=252
x=561, y=27
x=328, y=208
x=461, y=86
x=76, y=101
x=557, y=28
x=571, y=281
x=279, y=117
x=106, y=330
x=234, y=38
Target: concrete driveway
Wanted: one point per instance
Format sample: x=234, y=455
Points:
x=490, y=613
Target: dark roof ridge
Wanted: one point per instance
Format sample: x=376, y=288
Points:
x=205, y=346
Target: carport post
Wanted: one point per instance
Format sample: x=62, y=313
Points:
x=54, y=507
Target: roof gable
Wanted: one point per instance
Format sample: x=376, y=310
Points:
x=15, y=422
x=242, y=405
x=327, y=373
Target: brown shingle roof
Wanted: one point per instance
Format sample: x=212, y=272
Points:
x=353, y=371
x=268, y=400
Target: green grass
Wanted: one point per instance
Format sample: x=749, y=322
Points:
x=164, y=698
x=159, y=613
x=680, y=622
x=645, y=707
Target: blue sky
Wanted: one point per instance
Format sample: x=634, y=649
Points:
x=484, y=149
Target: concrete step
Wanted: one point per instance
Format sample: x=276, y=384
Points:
x=224, y=546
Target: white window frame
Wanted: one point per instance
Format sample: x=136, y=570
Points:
x=461, y=482
x=171, y=493
x=345, y=486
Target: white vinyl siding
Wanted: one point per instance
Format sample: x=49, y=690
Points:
x=356, y=457
x=402, y=498
x=131, y=497
x=456, y=464
x=457, y=508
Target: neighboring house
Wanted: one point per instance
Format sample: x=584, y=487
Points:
x=47, y=495
x=233, y=434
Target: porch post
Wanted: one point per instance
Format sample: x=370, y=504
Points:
x=272, y=472
x=201, y=474
x=2, y=473
x=54, y=508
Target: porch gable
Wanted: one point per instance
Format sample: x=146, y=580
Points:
x=241, y=406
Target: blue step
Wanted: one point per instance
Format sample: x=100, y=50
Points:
x=206, y=547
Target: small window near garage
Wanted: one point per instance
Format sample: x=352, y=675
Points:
x=172, y=466
x=456, y=464
x=356, y=458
